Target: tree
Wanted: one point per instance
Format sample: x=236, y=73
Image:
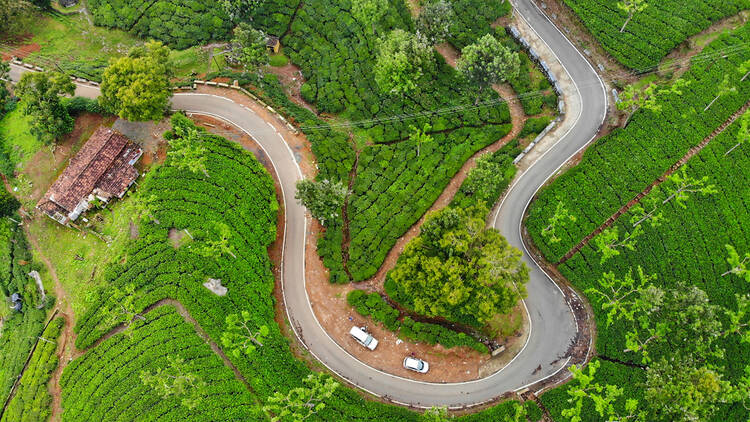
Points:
x=739, y=264
x=120, y=307
x=4, y=78
x=40, y=94
x=420, y=136
x=186, y=149
x=633, y=99
x=249, y=47
x=626, y=296
x=174, y=380
x=136, y=87
x=738, y=321
x=239, y=10
x=302, y=402
x=434, y=21
x=402, y=59
x=725, y=87
x=560, y=216
x=488, y=62
x=631, y=7
x=681, y=186
x=369, y=12
x=486, y=179
x=14, y=16
x=608, y=241
x=602, y=396
x=240, y=338
x=216, y=242
x=743, y=134
x=324, y=199
x=681, y=390
x=458, y=269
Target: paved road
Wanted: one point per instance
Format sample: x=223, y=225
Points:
x=553, y=324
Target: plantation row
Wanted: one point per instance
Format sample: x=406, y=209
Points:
x=653, y=32
x=180, y=24
x=105, y=383
x=19, y=330
x=687, y=246
x=622, y=164
x=374, y=306
x=32, y=401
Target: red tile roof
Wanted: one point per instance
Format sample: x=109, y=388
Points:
x=103, y=163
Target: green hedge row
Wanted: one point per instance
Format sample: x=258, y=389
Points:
x=32, y=400
x=620, y=165
x=374, y=306
x=655, y=31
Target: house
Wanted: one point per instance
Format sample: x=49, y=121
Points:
x=67, y=3
x=16, y=303
x=273, y=44
x=102, y=169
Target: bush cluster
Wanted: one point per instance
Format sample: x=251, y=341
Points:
x=373, y=305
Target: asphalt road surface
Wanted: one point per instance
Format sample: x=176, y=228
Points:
x=553, y=326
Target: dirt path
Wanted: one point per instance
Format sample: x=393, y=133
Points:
x=66, y=343
x=625, y=208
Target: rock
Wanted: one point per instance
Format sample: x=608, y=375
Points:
x=215, y=286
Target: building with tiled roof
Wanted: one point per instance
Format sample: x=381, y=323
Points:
x=102, y=169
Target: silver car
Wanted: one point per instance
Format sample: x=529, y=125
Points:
x=416, y=365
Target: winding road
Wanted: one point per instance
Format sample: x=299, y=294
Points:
x=553, y=325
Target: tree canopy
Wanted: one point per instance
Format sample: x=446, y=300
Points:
x=41, y=94
x=434, y=21
x=402, y=59
x=238, y=10
x=249, y=47
x=324, y=198
x=459, y=269
x=488, y=62
x=136, y=87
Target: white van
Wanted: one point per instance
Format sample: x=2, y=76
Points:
x=363, y=338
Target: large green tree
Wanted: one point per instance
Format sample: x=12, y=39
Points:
x=323, y=198
x=402, y=60
x=136, y=87
x=459, y=269
x=41, y=94
x=14, y=16
x=239, y=10
x=369, y=12
x=302, y=402
x=488, y=62
x=249, y=47
x=434, y=21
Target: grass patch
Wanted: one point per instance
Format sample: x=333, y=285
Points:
x=79, y=257
x=84, y=50
x=20, y=144
x=278, y=60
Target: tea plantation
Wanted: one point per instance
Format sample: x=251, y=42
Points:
x=622, y=164
x=686, y=244
x=653, y=32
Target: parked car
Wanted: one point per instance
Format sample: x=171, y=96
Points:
x=416, y=365
x=363, y=337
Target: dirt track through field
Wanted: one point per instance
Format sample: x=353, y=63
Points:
x=625, y=208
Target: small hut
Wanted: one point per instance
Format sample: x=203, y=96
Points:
x=273, y=44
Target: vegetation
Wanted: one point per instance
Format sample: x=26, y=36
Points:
x=41, y=99
x=488, y=62
x=323, y=198
x=671, y=313
x=434, y=22
x=374, y=306
x=32, y=401
x=458, y=269
x=249, y=47
x=179, y=24
x=14, y=15
x=640, y=33
x=652, y=142
x=19, y=330
x=402, y=61
x=137, y=87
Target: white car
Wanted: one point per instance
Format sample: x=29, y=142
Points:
x=363, y=338
x=416, y=365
